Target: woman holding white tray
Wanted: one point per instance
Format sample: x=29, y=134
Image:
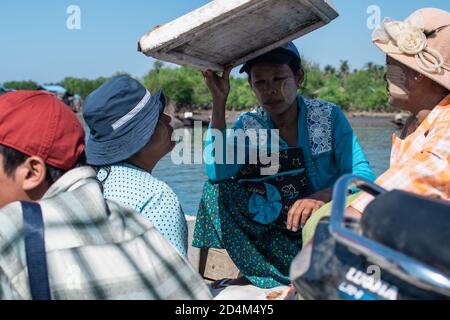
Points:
x=256, y=209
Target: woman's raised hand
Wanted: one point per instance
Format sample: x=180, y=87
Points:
x=219, y=86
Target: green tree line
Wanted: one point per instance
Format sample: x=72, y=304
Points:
x=354, y=90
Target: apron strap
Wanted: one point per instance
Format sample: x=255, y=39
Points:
x=33, y=225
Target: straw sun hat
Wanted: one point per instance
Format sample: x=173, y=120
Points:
x=421, y=42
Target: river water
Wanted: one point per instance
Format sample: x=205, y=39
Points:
x=187, y=180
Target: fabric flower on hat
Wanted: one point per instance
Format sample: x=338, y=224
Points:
x=411, y=41
x=408, y=37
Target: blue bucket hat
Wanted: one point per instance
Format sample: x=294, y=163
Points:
x=287, y=54
x=122, y=116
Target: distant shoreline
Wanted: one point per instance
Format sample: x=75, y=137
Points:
x=355, y=118
x=374, y=119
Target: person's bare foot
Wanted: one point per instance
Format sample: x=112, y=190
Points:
x=291, y=293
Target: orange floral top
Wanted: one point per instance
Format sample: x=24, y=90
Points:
x=421, y=162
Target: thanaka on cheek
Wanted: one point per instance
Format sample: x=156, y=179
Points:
x=397, y=80
x=289, y=90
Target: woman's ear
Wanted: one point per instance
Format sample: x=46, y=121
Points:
x=32, y=174
x=299, y=77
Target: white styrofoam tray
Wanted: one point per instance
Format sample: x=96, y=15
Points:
x=234, y=31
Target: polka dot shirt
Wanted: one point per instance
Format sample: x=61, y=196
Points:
x=152, y=198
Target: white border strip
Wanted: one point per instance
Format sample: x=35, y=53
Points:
x=130, y=115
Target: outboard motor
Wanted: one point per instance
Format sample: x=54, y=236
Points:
x=400, y=249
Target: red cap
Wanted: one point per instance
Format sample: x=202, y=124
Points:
x=38, y=124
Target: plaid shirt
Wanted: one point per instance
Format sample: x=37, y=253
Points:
x=421, y=162
x=96, y=249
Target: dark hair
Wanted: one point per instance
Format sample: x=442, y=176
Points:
x=12, y=159
x=295, y=65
